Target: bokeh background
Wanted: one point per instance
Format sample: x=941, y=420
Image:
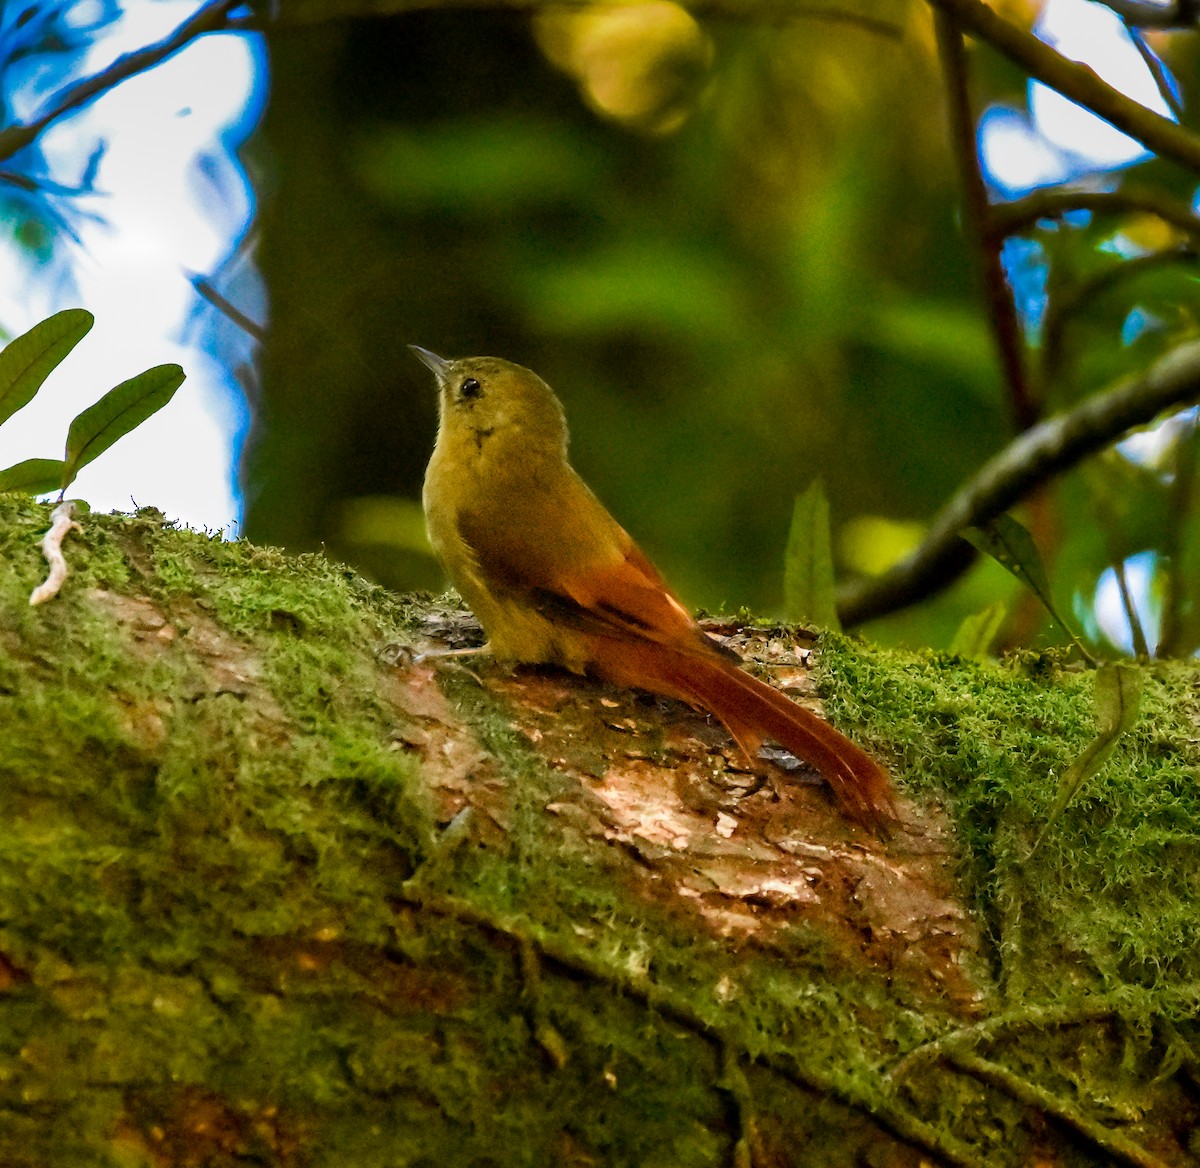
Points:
x=729, y=235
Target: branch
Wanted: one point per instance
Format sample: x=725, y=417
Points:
x=308, y=12
x=207, y=291
x=1037, y=455
x=1162, y=79
x=1078, y=82
x=1147, y=14
x=1023, y=215
x=1173, y=639
x=1001, y=311
x=210, y=18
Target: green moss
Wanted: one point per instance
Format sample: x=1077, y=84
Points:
x=1113, y=889
x=211, y=947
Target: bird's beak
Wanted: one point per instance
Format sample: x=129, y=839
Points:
x=439, y=365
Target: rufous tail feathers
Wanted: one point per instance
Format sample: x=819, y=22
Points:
x=753, y=712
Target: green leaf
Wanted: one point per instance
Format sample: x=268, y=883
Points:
x=1012, y=547
x=1117, y=696
x=119, y=411
x=808, y=593
x=977, y=632
x=26, y=362
x=34, y=476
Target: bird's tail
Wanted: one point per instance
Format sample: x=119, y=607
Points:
x=754, y=712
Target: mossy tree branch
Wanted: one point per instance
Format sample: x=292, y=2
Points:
x=351, y=908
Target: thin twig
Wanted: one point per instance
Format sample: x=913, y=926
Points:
x=966, y=1038
x=889, y=1114
x=205, y=290
x=1177, y=634
x=1001, y=310
x=210, y=18
x=1141, y=649
x=1113, y=1143
x=62, y=523
x=1162, y=79
x=1036, y=456
x=1147, y=14
x=1078, y=82
x=1024, y=214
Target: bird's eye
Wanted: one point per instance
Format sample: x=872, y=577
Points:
x=469, y=389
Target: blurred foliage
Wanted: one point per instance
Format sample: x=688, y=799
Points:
x=726, y=310
x=730, y=239
x=730, y=236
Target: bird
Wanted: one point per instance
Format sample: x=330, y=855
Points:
x=554, y=579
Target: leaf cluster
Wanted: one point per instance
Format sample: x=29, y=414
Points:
x=26, y=363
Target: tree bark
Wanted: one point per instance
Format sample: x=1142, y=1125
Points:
x=271, y=892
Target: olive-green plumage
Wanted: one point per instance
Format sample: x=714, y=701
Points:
x=553, y=578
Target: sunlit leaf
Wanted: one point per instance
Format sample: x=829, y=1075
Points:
x=808, y=592
x=119, y=411
x=977, y=632
x=26, y=362
x=34, y=476
x=1117, y=697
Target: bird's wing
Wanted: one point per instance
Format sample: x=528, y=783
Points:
x=585, y=571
